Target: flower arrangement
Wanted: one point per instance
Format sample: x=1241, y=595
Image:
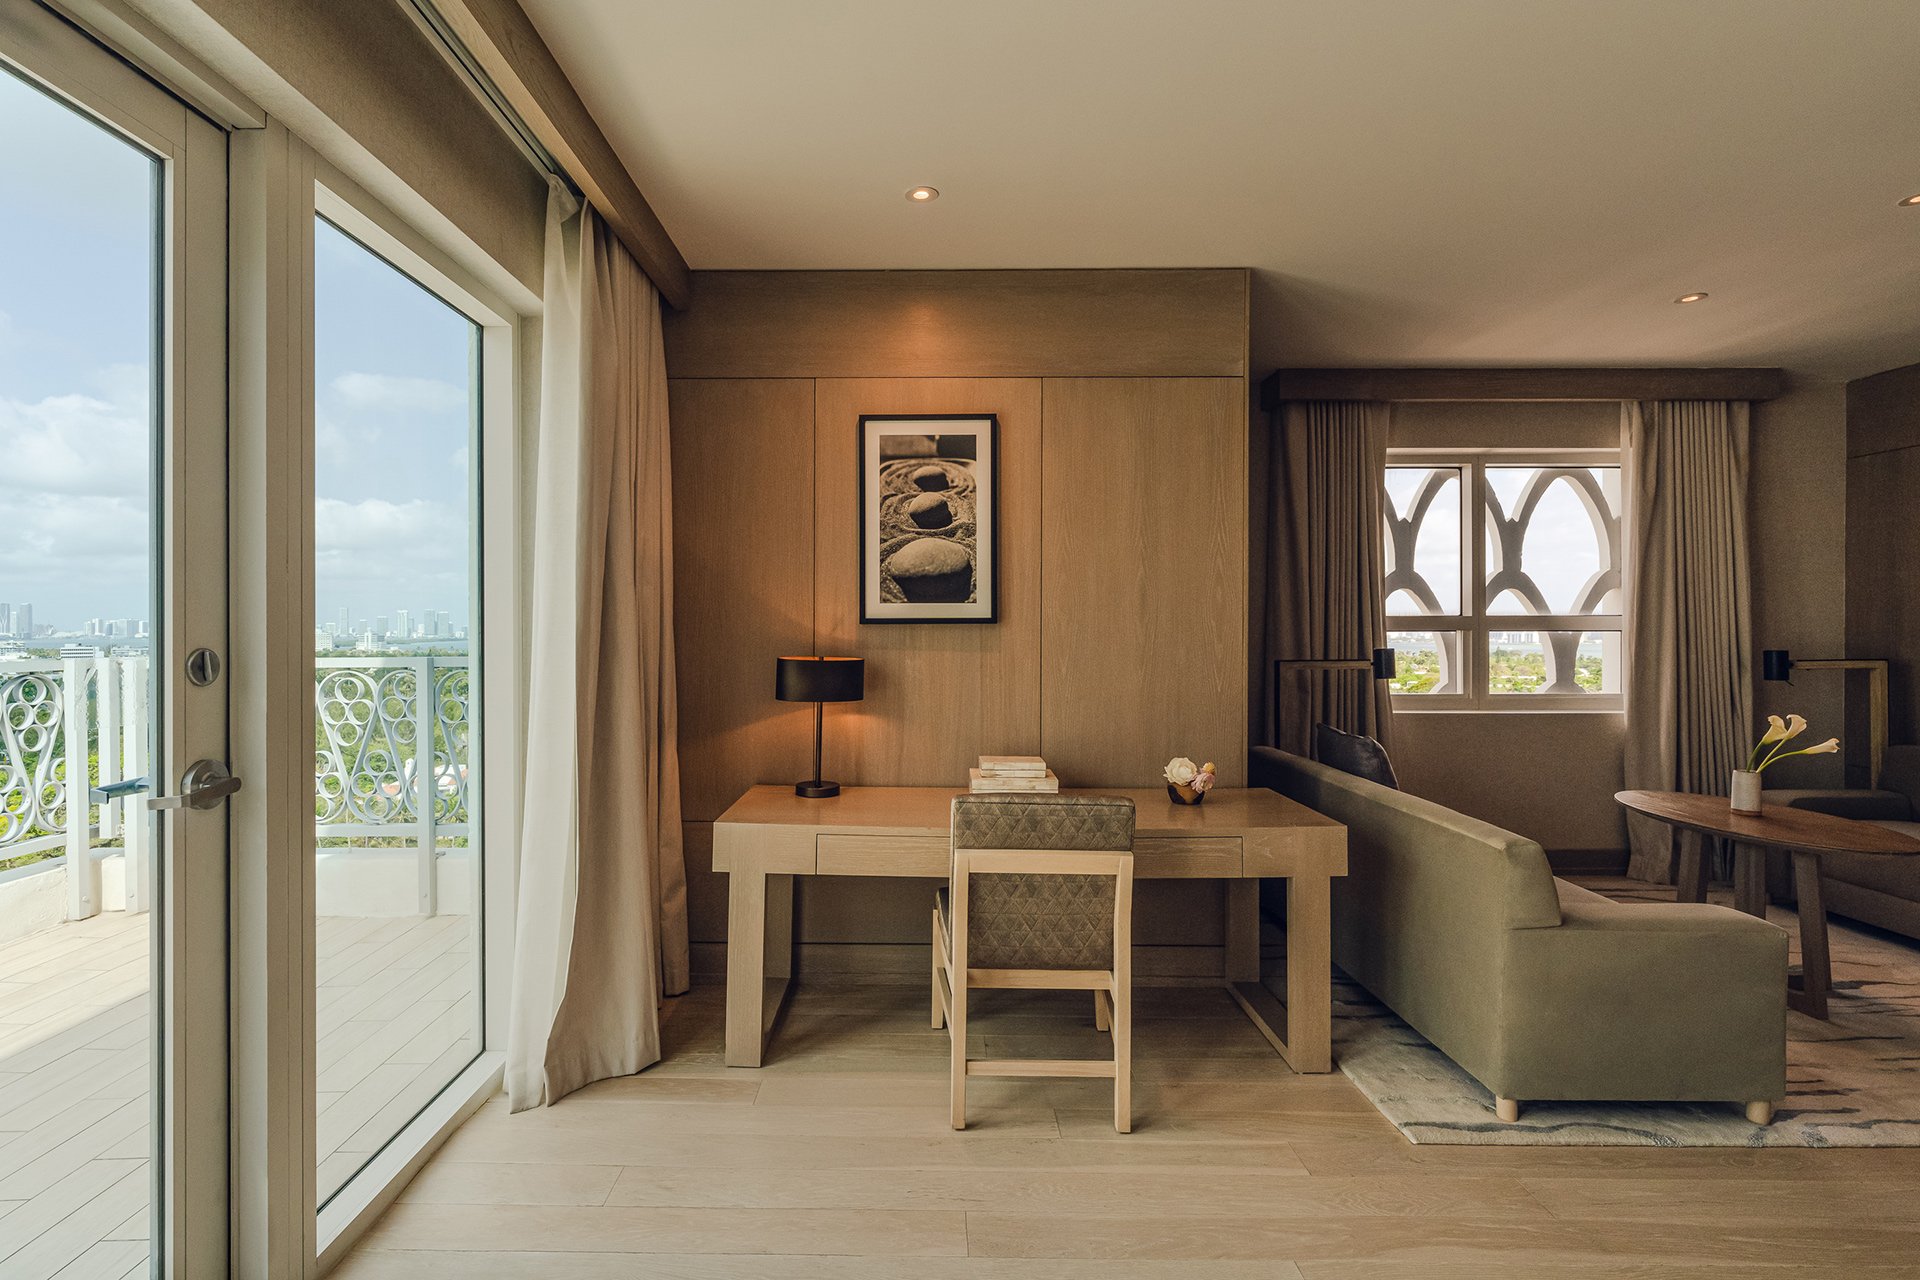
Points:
x=1771, y=749
x=1187, y=782
x=1779, y=733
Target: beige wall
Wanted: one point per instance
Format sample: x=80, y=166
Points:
x=1883, y=534
x=1122, y=636
x=1798, y=540
x=1552, y=777
x=361, y=84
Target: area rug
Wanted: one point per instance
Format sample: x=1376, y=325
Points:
x=1853, y=1081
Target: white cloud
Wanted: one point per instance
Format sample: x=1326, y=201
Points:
x=374, y=525
x=76, y=444
x=390, y=392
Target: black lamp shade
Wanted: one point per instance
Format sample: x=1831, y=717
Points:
x=820, y=679
x=1775, y=664
x=1383, y=664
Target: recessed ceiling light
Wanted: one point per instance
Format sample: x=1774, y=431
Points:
x=921, y=195
x=1691, y=297
x=1909, y=202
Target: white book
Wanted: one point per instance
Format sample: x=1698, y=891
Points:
x=1013, y=766
x=982, y=783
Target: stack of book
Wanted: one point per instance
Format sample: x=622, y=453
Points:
x=1013, y=773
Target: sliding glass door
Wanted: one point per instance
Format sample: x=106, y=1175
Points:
x=113, y=1139
x=397, y=372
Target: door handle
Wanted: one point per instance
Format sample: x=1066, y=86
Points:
x=203, y=786
x=116, y=790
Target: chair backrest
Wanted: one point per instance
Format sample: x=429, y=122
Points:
x=1039, y=918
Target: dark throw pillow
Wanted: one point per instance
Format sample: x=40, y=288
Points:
x=1351, y=753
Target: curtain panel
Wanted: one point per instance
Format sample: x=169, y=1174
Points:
x=601, y=929
x=1690, y=699
x=1326, y=570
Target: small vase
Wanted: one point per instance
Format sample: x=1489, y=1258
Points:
x=1183, y=794
x=1745, y=794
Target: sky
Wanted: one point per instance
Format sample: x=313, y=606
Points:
x=393, y=368
x=1560, y=553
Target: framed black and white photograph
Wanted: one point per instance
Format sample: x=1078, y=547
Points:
x=928, y=533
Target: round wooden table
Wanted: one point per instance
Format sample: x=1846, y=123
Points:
x=1804, y=834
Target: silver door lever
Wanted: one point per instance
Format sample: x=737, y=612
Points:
x=203, y=786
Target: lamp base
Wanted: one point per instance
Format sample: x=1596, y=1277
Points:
x=816, y=789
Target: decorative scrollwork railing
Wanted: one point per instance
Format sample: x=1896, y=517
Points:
x=75, y=721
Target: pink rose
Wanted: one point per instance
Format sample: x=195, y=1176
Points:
x=1202, y=783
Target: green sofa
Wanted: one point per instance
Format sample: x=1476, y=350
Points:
x=1879, y=890
x=1540, y=989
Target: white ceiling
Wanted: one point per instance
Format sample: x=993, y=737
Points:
x=1415, y=182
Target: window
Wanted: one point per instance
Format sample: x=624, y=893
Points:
x=1505, y=580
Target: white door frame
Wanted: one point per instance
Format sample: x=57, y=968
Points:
x=279, y=185
x=190, y=1211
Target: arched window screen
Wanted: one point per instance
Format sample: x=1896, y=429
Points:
x=1505, y=579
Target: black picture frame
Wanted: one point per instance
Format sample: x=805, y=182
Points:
x=960, y=508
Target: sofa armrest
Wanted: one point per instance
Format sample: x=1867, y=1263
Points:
x=1668, y=1001
x=1865, y=806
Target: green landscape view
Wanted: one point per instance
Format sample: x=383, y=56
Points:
x=1510, y=669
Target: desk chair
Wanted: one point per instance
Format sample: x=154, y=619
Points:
x=1041, y=897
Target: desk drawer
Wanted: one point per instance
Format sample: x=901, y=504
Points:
x=1186, y=857
x=844, y=855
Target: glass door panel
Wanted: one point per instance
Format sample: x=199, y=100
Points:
x=397, y=870
x=102, y=179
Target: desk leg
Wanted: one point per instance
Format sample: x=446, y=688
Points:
x=756, y=980
x=1307, y=1044
x=1816, y=968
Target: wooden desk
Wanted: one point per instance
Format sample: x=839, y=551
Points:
x=1804, y=834
x=771, y=835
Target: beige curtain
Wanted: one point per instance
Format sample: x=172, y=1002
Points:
x=1690, y=693
x=1326, y=569
x=601, y=931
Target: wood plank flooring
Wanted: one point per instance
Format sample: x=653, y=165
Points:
x=835, y=1162
x=396, y=1019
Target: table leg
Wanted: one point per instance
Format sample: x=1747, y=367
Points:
x=1310, y=972
x=1690, y=883
x=1816, y=967
x=1750, y=880
x=755, y=987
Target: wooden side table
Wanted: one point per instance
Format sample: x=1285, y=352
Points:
x=1802, y=833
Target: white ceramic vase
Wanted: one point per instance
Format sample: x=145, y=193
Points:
x=1745, y=795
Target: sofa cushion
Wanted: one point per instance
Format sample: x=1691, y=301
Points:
x=1867, y=806
x=1889, y=873
x=1353, y=753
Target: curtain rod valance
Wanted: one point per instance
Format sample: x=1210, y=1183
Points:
x=1520, y=384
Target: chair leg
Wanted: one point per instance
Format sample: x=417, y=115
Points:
x=1123, y=1060
x=957, y=1029
x=1760, y=1113
x=939, y=1018
x=1508, y=1109
x=1102, y=1012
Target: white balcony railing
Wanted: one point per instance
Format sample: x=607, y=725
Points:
x=74, y=723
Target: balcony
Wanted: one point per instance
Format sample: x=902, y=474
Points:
x=397, y=1010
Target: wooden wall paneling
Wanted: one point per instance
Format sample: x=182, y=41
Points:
x=706, y=888
x=1521, y=384
x=743, y=581
x=1883, y=582
x=938, y=695
x=875, y=324
x=1144, y=560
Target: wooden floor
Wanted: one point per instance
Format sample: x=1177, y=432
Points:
x=396, y=1013
x=835, y=1162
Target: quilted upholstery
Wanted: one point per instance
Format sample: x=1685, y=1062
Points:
x=1040, y=921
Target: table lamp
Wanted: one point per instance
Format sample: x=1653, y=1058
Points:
x=819, y=680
